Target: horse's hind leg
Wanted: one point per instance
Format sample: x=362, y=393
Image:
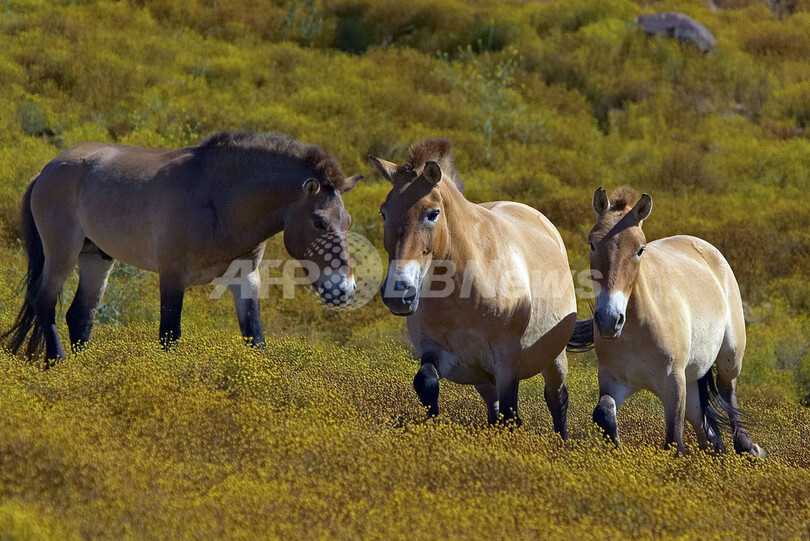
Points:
x=674, y=400
x=695, y=415
x=742, y=441
x=556, y=394
x=729, y=363
x=62, y=241
x=94, y=268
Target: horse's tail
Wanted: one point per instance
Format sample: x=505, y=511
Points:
x=582, y=339
x=710, y=403
x=719, y=411
x=26, y=322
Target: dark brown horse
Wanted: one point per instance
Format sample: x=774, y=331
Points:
x=186, y=214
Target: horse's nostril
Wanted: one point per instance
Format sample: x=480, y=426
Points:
x=410, y=294
x=620, y=321
x=399, y=285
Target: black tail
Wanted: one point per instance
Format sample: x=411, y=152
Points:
x=26, y=322
x=725, y=414
x=582, y=339
x=710, y=402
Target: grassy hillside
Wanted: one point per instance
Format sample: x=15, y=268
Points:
x=322, y=434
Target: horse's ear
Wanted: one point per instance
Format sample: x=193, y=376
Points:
x=600, y=201
x=642, y=208
x=432, y=172
x=385, y=168
x=349, y=182
x=311, y=187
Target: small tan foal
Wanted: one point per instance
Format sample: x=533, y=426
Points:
x=666, y=311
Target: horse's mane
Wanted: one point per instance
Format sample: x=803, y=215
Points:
x=623, y=198
x=434, y=149
x=325, y=166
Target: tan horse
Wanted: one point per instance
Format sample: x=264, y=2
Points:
x=666, y=311
x=479, y=329
x=186, y=214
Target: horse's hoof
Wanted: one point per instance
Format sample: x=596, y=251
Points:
x=758, y=451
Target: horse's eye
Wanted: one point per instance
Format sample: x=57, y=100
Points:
x=591, y=245
x=432, y=215
x=640, y=251
x=383, y=215
x=320, y=224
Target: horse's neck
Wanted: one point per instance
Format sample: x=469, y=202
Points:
x=260, y=204
x=469, y=238
x=641, y=305
x=459, y=215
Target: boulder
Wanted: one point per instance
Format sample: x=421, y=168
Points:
x=678, y=26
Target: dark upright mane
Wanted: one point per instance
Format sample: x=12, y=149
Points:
x=623, y=197
x=437, y=150
x=325, y=166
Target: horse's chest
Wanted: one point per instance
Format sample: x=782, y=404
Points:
x=466, y=355
x=470, y=345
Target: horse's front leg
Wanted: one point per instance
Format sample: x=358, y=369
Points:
x=612, y=392
x=490, y=395
x=172, y=289
x=426, y=384
x=508, y=400
x=556, y=394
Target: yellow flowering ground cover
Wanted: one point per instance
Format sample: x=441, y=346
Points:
x=321, y=435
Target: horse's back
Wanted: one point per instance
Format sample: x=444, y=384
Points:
x=106, y=192
x=528, y=221
x=699, y=260
x=99, y=169
x=117, y=163
x=726, y=282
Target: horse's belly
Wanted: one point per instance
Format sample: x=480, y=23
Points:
x=132, y=251
x=208, y=273
x=129, y=251
x=120, y=227
x=646, y=367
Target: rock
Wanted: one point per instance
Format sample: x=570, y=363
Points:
x=678, y=26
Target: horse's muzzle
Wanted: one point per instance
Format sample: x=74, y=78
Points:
x=401, y=299
x=608, y=323
x=337, y=290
